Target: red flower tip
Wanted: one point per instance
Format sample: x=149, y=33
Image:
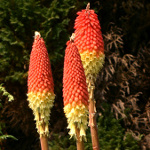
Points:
x=88, y=32
x=40, y=75
x=74, y=80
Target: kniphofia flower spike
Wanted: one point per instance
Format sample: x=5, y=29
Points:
x=40, y=85
x=89, y=41
x=75, y=92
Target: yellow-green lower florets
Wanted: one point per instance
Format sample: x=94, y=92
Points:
x=77, y=117
x=41, y=104
x=92, y=64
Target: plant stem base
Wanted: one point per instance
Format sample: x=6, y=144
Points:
x=44, y=143
x=79, y=141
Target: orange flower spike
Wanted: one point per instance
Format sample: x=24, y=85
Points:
x=75, y=91
x=40, y=85
x=89, y=41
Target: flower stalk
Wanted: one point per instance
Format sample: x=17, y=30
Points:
x=79, y=142
x=44, y=143
x=89, y=41
x=92, y=117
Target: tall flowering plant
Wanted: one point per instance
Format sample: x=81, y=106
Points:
x=89, y=41
x=75, y=93
x=40, y=85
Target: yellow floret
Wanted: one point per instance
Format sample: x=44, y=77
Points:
x=77, y=117
x=41, y=104
x=92, y=63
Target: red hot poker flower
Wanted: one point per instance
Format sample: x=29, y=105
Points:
x=75, y=92
x=89, y=41
x=40, y=85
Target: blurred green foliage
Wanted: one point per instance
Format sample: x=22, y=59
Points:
x=5, y=93
x=18, y=22
x=112, y=134
x=3, y=136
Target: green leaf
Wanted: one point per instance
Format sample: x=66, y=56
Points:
x=4, y=137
